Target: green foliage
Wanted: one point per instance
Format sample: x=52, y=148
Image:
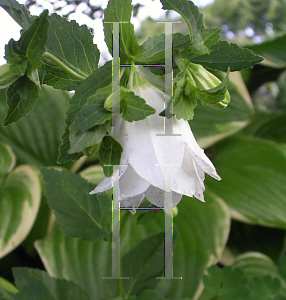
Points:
x=109, y=154
x=78, y=213
x=120, y=11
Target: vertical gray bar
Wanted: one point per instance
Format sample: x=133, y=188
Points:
x=115, y=69
x=168, y=122
x=116, y=234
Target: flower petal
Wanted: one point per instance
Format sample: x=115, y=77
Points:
x=161, y=198
x=105, y=185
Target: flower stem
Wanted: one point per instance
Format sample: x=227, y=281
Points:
x=63, y=66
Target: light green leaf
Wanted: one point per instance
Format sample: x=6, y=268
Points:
x=19, y=204
x=44, y=124
x=253, y=176
x=83, y=263
x=143, y=264
x=57, y=289
x=109, y=154
x=273, y=52
x=135, y=108
x=211, y=125
x=7, y=161
x=257, y=265
x=80, y=55
x=21, y=98
x=18, y=12
x=93, y=112
x=7, y=286
x=224, y=55
x=120, y=11
x=78, y=213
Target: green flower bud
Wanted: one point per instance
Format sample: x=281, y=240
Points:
x=92, y=150
x=205, y=80
x=111, y=104
x=6, y=76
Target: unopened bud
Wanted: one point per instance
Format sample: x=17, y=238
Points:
x=6, y=76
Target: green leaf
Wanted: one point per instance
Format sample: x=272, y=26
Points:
x=81, y=56
x=273, y=51
x=202, y=231
x=7, y=161
x=93, y=112
x=45, y=124
x=136, y=108
x=257, y=265
x=93, y=262
x=224, y=55
x=109, y=154
x=18, y=12
x=7, y=286
x=250, y=168
x=31, y=46
x=228, y=283
x=202, y=41
x=143, y=264
x=74, y=142
x=211, y=125
x=120, y=11
x=21, y=98
x=189, y=11
x=19, y=203
x=34, y=290
x=184, y=105
x=78, y=213
x=153, y=49
x=82, y=139
x=150, y=294
x=264, y=288
x=58, y=78
x=57, y=289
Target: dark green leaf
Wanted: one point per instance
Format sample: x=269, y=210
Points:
x=34, y=290
x=72, y=45
x=82, y=139
x=76, y=141
x=136, y=108
x=143, y=264
x=58, y=289
x=30, y=47
x=109, y=154
x=273, y=51
x=21, y=98
x=149, y=294
x=120, y=11
x=77, y=212
x=188, y=10
x=35, y=139
x=224, y=55
x=58, y=78
x=228, y=283
x=18, y=12
x=93, y=112
x=264, y=288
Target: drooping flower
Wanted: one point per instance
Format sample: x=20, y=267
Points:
x=160, y=168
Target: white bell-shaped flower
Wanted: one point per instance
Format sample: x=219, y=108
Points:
x=160, y=168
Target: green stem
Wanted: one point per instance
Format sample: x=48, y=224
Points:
x=188, y=24
x=63, y=66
